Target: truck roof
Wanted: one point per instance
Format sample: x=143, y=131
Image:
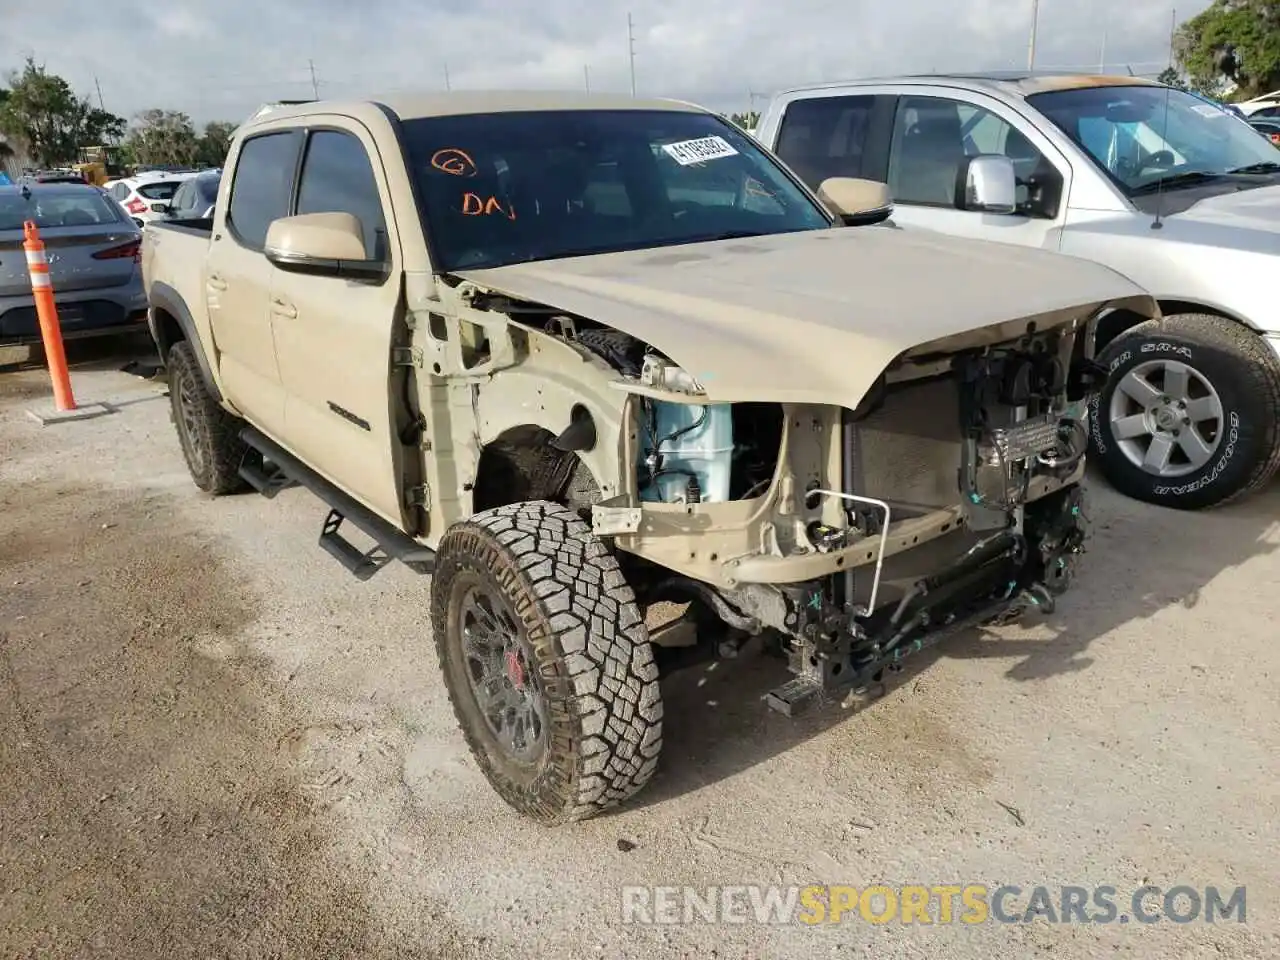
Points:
x=411, y=106
x=1011, y=83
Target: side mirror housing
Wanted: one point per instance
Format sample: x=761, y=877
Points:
x=990, y=185
x=856, y=202
x=324, y=245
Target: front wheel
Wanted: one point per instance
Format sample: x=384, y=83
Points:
x=547, y=661
x=1189, y=417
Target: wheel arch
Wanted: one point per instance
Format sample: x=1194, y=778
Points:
x=1118, y=321
x=171, y=321
x=521, y=464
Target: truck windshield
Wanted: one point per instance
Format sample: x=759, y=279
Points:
x=1142, y=136
x=515, y=187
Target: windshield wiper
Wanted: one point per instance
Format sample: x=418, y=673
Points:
x=732, y=235
x=1176, y=180
x=1266, y=166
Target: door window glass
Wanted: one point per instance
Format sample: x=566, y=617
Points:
x=337, y=177
x=261, y=188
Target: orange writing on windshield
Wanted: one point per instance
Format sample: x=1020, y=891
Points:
x=473, y=205
x=454, y=161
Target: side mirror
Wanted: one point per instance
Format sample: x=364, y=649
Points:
x=322, y=244
x=990, y=184
x=856, y=202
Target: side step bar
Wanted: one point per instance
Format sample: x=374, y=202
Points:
x=390, y=543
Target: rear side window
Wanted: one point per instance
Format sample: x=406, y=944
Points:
x=337, y=177
x=262, y=185
x=825, y=137
x=184, y=199
x=162, y=190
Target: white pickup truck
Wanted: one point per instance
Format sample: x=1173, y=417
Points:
x=1169, y=189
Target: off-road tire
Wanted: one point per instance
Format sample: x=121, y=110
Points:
x=1246, y=375
x=209, y=435
x=591, y=658
x=621, y=351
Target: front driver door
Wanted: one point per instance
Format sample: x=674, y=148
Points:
x=333, y=335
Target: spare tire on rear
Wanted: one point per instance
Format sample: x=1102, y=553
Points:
x=1189, y=417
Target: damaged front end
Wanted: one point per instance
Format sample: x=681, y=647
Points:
x=948, y=497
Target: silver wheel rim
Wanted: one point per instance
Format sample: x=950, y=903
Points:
x=1166, y=418
x=501, y=674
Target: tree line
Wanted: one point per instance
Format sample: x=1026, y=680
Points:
x=42, y=117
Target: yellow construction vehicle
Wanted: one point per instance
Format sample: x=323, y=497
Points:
x=97, y=164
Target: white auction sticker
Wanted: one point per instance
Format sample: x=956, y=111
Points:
x=686, y=152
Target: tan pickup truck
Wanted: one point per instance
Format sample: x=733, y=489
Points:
x=581, y=356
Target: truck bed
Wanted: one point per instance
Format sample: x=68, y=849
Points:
x=200, y=226
x=173, y=266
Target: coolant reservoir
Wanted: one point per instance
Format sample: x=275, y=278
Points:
x=692, y=440
x=680, y=442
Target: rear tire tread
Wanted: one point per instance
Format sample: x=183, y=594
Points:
x=218, y=431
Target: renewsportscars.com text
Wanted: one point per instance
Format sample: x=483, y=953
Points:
x=939, y=904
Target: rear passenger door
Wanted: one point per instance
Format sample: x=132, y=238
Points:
x=238, y=276
x=932, y=137
x=333, y=335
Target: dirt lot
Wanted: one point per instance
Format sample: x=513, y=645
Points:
x=214, y=743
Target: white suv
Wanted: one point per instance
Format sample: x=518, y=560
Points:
x=146, y=197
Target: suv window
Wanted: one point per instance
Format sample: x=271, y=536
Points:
x=183, y=200
x=337, y=177
x=261, y=188
x=825, y=137
x=933, y=136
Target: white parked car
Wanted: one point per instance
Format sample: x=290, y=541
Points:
x=146, y=196
x=1267, y=105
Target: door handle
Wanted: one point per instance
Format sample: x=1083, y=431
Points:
x=216, y=282
x=282, y=309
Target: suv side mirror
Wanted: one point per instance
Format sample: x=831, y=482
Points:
x=990, y=184
x=322, y=244
x=856, y=202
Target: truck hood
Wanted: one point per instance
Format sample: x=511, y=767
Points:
x=816, y=316
x=1257, y=209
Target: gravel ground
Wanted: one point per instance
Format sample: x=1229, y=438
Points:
x=215, y=743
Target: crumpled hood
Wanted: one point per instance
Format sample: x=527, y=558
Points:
x=815, y=316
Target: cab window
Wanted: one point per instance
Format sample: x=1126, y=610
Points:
x=260, y=191
x=337, y=177
x=934, y=136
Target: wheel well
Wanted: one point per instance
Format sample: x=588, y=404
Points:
x=521, y=465
x=1118, y=321
x=167, y=331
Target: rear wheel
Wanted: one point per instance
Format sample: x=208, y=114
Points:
x=210, y=436
x=1190, y=415
x=547, y=661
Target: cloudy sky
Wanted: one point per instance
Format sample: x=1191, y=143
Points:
x=220, y=59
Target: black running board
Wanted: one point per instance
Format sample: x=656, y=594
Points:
x=389, y=543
